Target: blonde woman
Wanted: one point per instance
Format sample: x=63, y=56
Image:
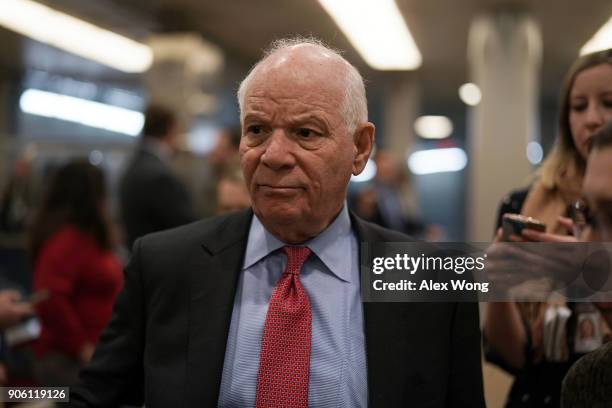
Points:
x=519, y=336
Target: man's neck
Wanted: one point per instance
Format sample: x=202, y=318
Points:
x=297, y=233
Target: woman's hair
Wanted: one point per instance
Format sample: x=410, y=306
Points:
x=564, y=164
x=75, y=196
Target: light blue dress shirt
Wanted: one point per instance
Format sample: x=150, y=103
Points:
x=338, y=376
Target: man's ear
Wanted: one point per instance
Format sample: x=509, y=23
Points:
x=364, y=141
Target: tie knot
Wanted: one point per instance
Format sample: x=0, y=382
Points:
x=296, y=256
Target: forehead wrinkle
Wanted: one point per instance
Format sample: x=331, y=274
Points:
x=289, y=104
x=287, y=118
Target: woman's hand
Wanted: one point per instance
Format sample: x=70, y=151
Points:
x=12, y=309
x=533, y=235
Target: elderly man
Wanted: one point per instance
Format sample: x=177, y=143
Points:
x=263, y=308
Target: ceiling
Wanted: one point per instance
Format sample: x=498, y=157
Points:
x=242, y=28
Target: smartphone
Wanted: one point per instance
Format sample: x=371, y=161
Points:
x=513, y=224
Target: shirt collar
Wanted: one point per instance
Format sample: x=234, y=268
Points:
x=331, y=246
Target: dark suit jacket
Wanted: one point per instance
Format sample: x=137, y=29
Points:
x=152, y=197
x=167, y=337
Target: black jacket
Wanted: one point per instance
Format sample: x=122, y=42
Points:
x=165, y=344
x=152, y=197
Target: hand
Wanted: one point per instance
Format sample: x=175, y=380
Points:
x=532, y=270
x=533, y=235
x=86, y=352
x=12, y=310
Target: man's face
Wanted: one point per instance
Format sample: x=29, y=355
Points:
x=296, y=153
x=597, y=189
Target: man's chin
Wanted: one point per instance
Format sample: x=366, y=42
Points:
x=280, y=215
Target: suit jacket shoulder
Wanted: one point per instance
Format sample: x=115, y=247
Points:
x=165, y=343
x=370, y=232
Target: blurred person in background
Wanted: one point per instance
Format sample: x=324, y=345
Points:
x=597, y=193
x=225, y=152
x=71, y=243
x=589, y=381
x=391, y=186
x=386, y=201
x=17, y=198
x=152, y=198
x=232, y=193
x=222, y=161
x=515, y=334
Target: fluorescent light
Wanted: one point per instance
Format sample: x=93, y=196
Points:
x=368, y=173
x=377, y=30
x=437, y=161
x=89, y=113
x=535, y=154
x=433, y=127
x=470, y=94
x=76, y=36
x=602, y=40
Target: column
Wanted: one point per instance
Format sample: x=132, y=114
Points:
x=504, y=55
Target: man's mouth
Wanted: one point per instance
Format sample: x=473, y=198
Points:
x=279, y=189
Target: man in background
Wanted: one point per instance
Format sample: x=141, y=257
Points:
x=589, y=381
x=152, y=198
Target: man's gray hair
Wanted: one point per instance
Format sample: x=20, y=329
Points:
x=355, y=106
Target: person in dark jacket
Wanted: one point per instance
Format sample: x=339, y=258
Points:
x=152, y=197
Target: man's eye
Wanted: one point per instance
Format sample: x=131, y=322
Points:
x=306, y=133
x=255, y=129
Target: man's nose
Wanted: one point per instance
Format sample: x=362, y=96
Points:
x=279, y=151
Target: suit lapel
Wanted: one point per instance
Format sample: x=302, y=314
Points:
x=214, y=278
x=386, y=334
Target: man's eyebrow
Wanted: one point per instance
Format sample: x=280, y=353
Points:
x=309, y=118
x=254, y=115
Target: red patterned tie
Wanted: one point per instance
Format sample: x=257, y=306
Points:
x=284, y=363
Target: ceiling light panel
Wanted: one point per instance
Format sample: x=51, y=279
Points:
x=377, y=30
x=73, y=35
